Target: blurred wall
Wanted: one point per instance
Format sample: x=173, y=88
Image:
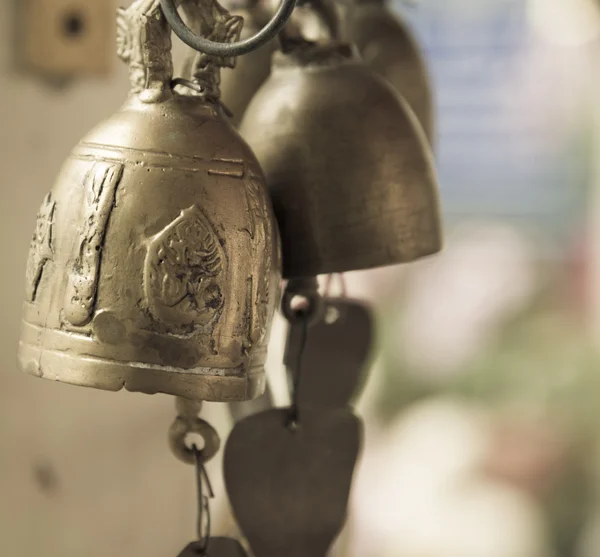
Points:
x=82, y=472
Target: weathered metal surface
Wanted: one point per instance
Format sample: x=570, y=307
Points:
x=289, y=486
x=155, y=263
x=388, y=47
x=349, y=169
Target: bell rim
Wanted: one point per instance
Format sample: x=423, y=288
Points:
x=310, y=268
x=247, y=383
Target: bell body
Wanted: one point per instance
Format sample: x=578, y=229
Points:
x=240, y=84
x=388, y=47
x=348, y=166
x=155, y=262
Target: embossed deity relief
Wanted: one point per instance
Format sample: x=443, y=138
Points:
x=100, y=186
x=184, y=272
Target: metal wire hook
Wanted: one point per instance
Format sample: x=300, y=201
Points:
x=204, y=522
x=212, y=48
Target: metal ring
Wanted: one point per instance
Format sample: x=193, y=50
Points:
x=311, y=315
x=212, y=48
x=181, y=428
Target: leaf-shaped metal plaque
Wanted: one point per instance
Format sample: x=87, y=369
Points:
x=334, y=356
x=289, y=486
x=184, y=271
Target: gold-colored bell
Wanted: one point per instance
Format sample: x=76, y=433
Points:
x=387, y=46
x=155, y=264
x=349, y=169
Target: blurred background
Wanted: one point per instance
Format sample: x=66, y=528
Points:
x=481, y=411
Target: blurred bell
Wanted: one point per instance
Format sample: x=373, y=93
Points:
x=155, y=262
x=348, y=166
x=387, y=46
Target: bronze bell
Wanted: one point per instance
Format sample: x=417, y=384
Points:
x=155, y=264
x=387, y=46
x=349, y=169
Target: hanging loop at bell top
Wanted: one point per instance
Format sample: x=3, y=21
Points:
x=206, y=46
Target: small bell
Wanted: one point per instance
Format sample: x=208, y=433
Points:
x=388, y=47
x=155, y=263
x=348, y=166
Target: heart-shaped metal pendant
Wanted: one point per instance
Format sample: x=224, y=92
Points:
x=289, y=482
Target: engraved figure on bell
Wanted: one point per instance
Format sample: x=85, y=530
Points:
x=184, y=270
x=41, y=250
x=100, y=183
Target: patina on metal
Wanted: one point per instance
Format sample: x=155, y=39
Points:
x=289, y=486
x=387, y=45
x=349, y=169
x=155, y=264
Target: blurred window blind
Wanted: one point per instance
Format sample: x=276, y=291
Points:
x=513, y=113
